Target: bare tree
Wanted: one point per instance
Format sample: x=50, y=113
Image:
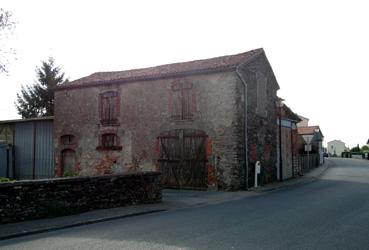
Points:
x=6, y=27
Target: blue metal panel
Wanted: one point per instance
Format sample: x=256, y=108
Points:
x=286, y=124
x=6, y=161
x=11, y=162
x=3, y=160
x=23, y=143
x=44, y=153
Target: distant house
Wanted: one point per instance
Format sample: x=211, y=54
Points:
x=336, y=147
x=201, y=123
x=304, y=122
x=313, y=136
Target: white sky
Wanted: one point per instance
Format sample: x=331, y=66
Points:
x=319, y=50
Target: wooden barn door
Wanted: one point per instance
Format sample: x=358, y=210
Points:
x=183, y=158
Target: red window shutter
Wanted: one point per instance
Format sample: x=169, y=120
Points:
x=108, y=140
x=177, y=105
x=170, y=103
x=109, y=107
x=181, y=100
x=193, y=101
x=105, y=109
x=186, y=104
x=112, y=109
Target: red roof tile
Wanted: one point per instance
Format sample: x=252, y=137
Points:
x=308, y=130
x=216, y=64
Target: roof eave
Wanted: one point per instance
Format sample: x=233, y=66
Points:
x=146, y=78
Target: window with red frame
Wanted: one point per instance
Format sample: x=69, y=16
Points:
x=182, y=100
x=109, y=141
x=109, y=104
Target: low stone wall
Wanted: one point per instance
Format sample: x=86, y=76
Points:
x=26, y=200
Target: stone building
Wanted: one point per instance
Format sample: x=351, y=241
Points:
x=201, y=123
x=289, y=148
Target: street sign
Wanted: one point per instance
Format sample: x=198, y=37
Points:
x=308, y=147
x=257, y=166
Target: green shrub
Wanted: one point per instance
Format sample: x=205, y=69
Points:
x=3, y=179
x=70, y=174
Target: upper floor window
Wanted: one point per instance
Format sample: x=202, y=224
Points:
x=109, y=107
x=182, y=100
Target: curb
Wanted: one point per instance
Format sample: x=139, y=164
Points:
x=301, y=181
x=77, y=224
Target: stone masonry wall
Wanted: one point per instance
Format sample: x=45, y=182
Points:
x=261, y=117
x=144, y=113
x=25, y=200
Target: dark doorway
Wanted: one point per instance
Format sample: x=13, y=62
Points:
x=68, y=161
x=183, y=158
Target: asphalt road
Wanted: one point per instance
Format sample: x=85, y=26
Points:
x=330, y=213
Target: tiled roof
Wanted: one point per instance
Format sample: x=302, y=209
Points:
x=310, y=130
x=216, y=64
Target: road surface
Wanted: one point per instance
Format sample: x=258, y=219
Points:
x=330, y=213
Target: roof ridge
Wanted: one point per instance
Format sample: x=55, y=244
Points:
x=215, y=64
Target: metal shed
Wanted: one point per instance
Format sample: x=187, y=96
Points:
x=27, y=150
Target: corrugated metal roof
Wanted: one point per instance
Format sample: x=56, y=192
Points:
x=28, y=119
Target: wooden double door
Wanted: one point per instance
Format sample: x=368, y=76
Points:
x=183, y=158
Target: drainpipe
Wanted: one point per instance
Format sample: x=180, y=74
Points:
x=280, y=143
x=246, y=165
x=292, y=150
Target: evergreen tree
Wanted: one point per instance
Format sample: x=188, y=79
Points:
x=38, y=100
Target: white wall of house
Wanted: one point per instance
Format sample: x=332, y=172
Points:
x=304, y=122
x=336, y=147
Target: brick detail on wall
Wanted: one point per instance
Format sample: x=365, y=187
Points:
x=209, y=147
x=212, y=176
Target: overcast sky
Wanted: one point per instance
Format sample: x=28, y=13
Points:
x=319, y=50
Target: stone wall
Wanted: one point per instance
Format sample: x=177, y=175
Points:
x=26, y=200
x=144, y=113
x=261, y=117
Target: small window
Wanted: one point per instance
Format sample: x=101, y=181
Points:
x=67, y=140
x=182, y=100
x=109, y=142
x=109, y=105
